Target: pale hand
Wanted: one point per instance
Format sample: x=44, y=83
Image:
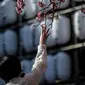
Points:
x=44, y=34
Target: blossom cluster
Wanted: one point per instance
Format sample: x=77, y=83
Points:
x=41, y=15
x=19, y=6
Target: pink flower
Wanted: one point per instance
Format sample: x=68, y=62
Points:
x=40, y=14
x=83, y=10
x=20, y=5
x=54, y=5
x=40, y=4
x=19, y=11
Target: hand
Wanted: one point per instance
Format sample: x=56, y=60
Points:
x=44, y=34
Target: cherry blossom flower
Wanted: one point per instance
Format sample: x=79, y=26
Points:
x=19, y=6
x=40, y=14
x=54, y=6
x=40, y=4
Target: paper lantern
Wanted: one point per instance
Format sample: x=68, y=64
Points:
x=26, y=38
x=50, y=74
x=2, y=82
x=30, y=9
x=61, y=30
x=1, y=44
x=26, y=66
x=37, y=32
x=10, y=41
x=63, y=66
x=8, y=13
x=79, y=25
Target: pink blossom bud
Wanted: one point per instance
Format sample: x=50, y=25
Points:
x=40, y=14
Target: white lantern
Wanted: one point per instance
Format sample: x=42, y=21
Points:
x=26, y=66
x=8, y=12
x=36, y=32
x=63, y=65
x=1, y=14
x=50, y=41
x=30, y=9
x=10, y=40
x=26, y=38
x=50, y=74
x=79, y=25
x=1, y=44
x=61, y=30
x=2, y=82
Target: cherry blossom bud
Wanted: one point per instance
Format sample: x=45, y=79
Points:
x=40, y=14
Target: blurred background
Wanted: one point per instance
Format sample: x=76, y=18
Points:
x=65, y=45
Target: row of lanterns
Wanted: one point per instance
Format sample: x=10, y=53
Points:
x=29, y=37
x=58, y=67
x=60, y=34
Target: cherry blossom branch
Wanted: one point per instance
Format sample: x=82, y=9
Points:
x=53, y=4
x=42, y=13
